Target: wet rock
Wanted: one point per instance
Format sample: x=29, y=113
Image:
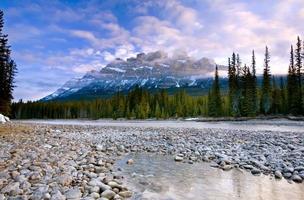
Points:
x=215, y=165
x=256, y=171
x=130, y=162
x=226, y=167
x=296, y=178
x=288, y=170
x=299, y=168
x=248, y=167
x=113, y=184
x=95, y=195
x=287, y=175
x=178, y=158
x=94, y=189
x=125, y=194
x=193, y=158
x=278, y=174
x=109, y=194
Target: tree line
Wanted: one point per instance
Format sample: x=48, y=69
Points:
x=138, y=103
x=8, y=71
x=245, y=98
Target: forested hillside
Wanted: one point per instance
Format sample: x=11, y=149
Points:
x=243, y=97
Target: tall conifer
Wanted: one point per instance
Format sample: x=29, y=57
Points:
x=7, y=71
x=266, y=85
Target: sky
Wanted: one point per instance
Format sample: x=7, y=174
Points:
x=54, y=41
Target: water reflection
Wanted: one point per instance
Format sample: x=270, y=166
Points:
x=159, y=177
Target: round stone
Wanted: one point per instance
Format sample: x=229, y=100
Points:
x=296, y=178
x=109, y=194
x=130, y=162
x=125, y=194
x=178, y=158
x=278, y=174
x=256, y=171
x=73, y=193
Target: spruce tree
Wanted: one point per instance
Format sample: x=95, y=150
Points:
x=7, y=71
x=254, y=86
x=244, y=98
x=234, y=106
x=214, y=97
x=292, y=85
x=266, y=85
x=298, y=66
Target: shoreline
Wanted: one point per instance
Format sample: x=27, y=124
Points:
x=90, y=152
x=196, y=119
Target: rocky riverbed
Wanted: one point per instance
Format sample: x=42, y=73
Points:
x=42, y=161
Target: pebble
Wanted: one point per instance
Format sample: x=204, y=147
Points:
x=178, y=158
x=296, y=178
x=113, y=184
x=125, y=194
x=287, y=175
x=278, y=174
x=109, y=194
x=11, y=188
x=227, y=167
x=130, y=162
x=73, y=194
x=58, y=196
x=95, y=195
x=65, y=180
x=49, y=160
x=255, y=171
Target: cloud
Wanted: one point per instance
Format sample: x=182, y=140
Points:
x=84, y=68
x=86, y=35
x=70, y=38
x=186, y=18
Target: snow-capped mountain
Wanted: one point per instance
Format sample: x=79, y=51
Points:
x=152, y=71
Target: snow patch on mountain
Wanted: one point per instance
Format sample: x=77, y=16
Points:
x=151, y=70
x=117, y=69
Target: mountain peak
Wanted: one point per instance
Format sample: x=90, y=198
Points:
x=149, y=70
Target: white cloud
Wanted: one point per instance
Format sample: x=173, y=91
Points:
x=203, y=28
x=93, y=65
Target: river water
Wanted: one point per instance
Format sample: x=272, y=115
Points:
x=161, y=178
x=281, y=125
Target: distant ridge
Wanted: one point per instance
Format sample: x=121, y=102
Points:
x=153, y=71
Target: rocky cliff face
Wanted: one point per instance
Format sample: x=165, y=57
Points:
x=151, y=71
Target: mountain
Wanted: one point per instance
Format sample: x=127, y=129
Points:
x=153, y=71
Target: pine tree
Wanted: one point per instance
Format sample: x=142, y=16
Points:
x=247, y=93
x=214, y=97
x=266, y=85
x=298, y=66
x=292, y=85
x=8, y=71
x=234, y=105
x=254, y=86
x=244, y=98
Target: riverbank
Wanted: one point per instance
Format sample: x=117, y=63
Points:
x=63, y=160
